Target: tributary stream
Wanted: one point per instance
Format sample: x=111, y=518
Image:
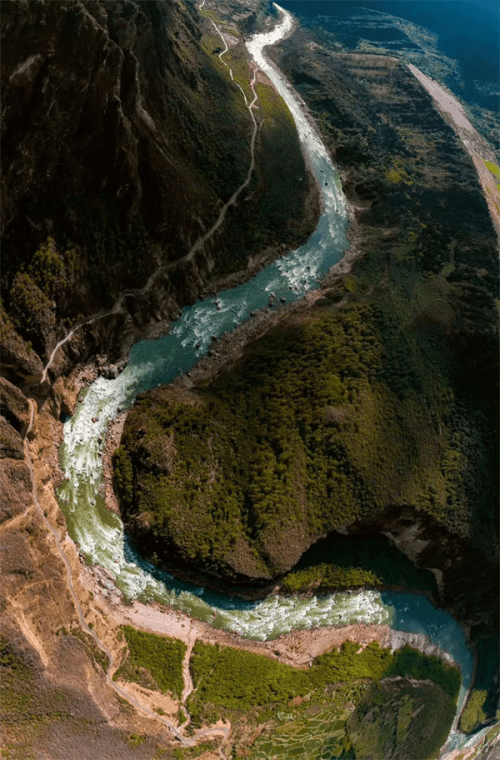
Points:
x=99, y=533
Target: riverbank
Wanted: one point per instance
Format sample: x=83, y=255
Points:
x=103, y=601
x=218, y=362
x=105, y=613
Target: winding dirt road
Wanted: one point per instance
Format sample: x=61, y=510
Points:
x=222, y=731
x=179, y=735
x=134, y=293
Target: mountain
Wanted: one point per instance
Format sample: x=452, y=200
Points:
x=406, y=183
x=341, y=444
x=369, y=413
x=117, y=159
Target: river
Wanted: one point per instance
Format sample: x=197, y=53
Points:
x=99, y=533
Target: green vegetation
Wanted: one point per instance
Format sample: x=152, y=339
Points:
x=189, y=753
x=153, y=661
x=30, y=308
x=239, y=680
x=28, y=704
x=321, y=736
x=123, y=475
x=235, y=679
x=99, y=657
x=329, y=576
x=400, y=723
x=135, y=740
x=278, y=187
x=110, y=227
x=473, y=714
x=494, y=169
x=211, y=14
x=323, y=423
x=341, y=562
x=53, y=270
x=308, y=711
x=237, y=58
x=399, y=173
x=482, y=704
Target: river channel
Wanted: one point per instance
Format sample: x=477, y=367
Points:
x=99, y=533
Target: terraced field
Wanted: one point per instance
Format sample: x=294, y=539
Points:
x=315, y=739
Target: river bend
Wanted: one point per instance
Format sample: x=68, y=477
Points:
x=99, y=533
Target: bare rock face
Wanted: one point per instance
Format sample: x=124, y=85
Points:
x=14, y=407
x=15, y=479
x=19, y=361
x=15, y=486
x=11, y=443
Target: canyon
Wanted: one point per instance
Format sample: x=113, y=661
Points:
x=65, y=282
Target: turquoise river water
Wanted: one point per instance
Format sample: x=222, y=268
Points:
x=99, y=533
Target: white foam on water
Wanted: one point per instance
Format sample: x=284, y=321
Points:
x=100, y=534
x=309, y=138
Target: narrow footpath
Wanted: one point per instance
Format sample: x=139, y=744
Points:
x=220, y=731
x=137, y=292
x=123, y=693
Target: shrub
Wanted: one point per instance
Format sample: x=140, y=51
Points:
x=159, y=656
x=473, y=714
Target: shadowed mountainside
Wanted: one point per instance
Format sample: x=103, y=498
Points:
x=122, y=138
x=352, y=384
x=375, y=409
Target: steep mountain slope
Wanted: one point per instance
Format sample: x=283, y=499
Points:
x=122, y=137
x=338, y=413
x=133, y=138
x=375, y=411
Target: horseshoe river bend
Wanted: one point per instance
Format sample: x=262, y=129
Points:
x=99, y=533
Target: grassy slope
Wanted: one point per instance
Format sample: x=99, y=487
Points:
x=153, y=661
x=41, y=717
x=322, y=424
x=304, y=713
x=272, y=208
x=278, y=710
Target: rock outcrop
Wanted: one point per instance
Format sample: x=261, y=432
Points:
x=15, y=479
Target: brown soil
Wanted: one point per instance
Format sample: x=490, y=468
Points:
x=297, y=648
x=37, y=618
